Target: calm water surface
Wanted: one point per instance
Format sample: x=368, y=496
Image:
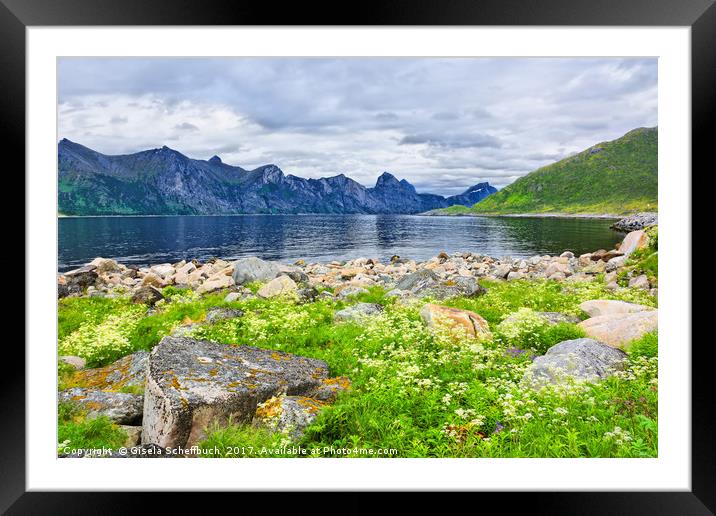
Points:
x=150, y=240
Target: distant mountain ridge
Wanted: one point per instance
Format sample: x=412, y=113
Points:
x=614, y=177
x=165, y=182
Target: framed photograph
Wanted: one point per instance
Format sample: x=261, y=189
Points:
x=427, y=237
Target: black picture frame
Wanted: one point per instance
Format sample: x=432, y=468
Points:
x=699, y=15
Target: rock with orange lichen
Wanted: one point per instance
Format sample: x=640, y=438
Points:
x=120, y=407
x=330, y=388
x=288, y=414
x=192, y=384
x=129, y=371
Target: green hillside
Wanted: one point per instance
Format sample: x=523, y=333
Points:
x=614, y=177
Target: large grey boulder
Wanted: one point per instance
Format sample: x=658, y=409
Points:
x=424, y=283
x=581, y=359
x=120, y=407
x=192, y=384
x=251, y=269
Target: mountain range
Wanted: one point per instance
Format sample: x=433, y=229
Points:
x=163, y=181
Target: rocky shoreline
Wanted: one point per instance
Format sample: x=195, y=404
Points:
x=624, y=224
x=443, y=275
x=636, y=222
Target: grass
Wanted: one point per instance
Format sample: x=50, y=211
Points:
x=615, y=177
x=75, y=431
x=420, y=392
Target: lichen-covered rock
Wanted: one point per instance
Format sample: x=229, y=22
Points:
x=358, y=311
x=329, y=388
x=193, y=383
x=251, y=269
x=288, y=414
x=120, y=407
x=619, y=330
x=579, y=359
x=129, y=371
x=597, y=307
x=470, y=322
x=280, y=286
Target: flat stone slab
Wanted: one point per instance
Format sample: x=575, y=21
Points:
x=619, y=330
x=194, y=383
x=598, y=307
x=581, y=359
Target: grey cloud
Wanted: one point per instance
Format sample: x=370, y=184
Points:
x=387, y=116
x=186, y=126
x=445, y=116
x=455, y=141
x=425, y=119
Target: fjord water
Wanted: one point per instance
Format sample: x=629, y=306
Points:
x=321, y=238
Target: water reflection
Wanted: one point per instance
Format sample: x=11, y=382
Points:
x=146, y=240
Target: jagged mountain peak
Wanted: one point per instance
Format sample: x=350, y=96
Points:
x=164, y=181
x=386, y=179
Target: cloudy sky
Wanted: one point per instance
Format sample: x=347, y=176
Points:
x=443, y=124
